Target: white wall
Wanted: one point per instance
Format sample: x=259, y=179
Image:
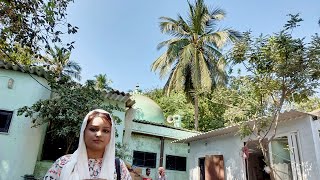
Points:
x=20, y=146
x=316, y=138
x=306, y=138
x=229, y=146
x=161, y=131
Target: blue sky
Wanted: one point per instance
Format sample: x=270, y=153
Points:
x=119, y=37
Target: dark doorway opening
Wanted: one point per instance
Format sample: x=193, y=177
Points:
x=202, y=168
x=255, y=163
x=211, y=167
x=55, y=147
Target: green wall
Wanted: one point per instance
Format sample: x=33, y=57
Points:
x=22, y=143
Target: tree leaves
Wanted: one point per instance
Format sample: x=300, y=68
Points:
x=34, y=24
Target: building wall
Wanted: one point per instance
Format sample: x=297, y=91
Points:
x=316, y=138
x=160, y=131
x=304, y=126
x=152, y=144
x=175, y=149
x=146, y=144
x=229, y=146
x=21, y=145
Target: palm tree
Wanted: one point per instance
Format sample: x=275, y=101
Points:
x=193, y=59
x=60, y=63
x=102, y=82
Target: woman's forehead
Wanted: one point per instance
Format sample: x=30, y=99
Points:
x=98, y=121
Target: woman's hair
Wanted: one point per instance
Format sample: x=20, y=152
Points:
x=103, y=116
x=160, y=169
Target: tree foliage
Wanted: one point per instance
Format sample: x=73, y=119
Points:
x=35, y=24
x=102, y=82
x=21, y=55
x=58, y=61
x=311, y=104
x=193, y=59
x=211, y=113
x=239, y=101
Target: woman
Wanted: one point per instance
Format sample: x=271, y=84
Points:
x=162, y=174
x=95, y=156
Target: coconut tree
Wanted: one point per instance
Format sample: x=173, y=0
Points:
x=102, y=82
x=59, y=62
x=193, y=58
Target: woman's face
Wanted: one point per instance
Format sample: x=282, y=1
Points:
x=97, y=134
x=162, y=172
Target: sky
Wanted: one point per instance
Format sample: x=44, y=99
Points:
x=119, y=38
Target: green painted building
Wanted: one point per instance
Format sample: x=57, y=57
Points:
x=144, y=129
x=148, y=136
x=20, y=144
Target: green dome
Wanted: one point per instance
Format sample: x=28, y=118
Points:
x=146, y=109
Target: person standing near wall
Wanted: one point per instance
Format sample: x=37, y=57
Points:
x=147, y=176
x=162, y=174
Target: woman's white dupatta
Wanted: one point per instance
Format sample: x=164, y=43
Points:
x=77, y=168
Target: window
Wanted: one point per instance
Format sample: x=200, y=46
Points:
x=5, y=119
x=144, y=159
x=177, y=163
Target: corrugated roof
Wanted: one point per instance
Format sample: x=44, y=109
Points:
x=36, y=70
x=120, y=96
x=287, y=115
x=162, y=125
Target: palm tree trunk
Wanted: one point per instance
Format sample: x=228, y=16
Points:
x=196, y=112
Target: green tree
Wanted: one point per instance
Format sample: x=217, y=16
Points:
x=240, y=100
x=283, y=69
x=102, y=82
x=59, y=62
x=20, y=55
x=211, y=113
x=33, y=24
x=193, y=58
x=312, y=103
x=64, y=112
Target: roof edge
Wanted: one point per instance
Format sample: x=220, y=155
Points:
x=36, y=70
x=162, y=125
x=229, y=129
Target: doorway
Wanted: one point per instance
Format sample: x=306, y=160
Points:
x=211, y=167
x=201, y=167
x=255, y=163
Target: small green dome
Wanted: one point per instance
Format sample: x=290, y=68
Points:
x=146, y=109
